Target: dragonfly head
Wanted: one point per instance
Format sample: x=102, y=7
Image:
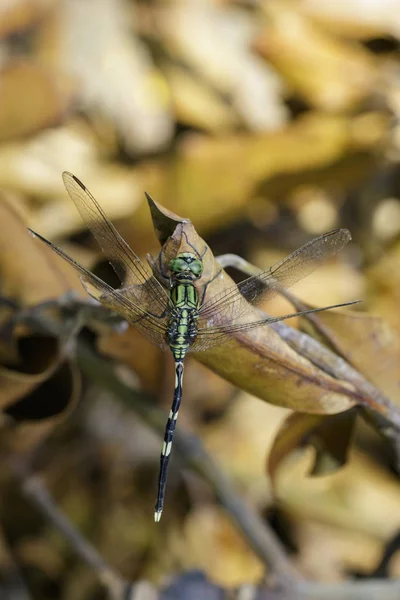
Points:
x=187, y=265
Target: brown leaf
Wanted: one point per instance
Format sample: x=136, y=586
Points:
x=202, y=184
x=197, y=105
x=361, y=497
x=327, y=72
x=330, y=436
x=329, y=553
x=164, y=220
x=114, y=71
x=215, y=546
x=258, y=361
x=212, y=42
x=261, y=363
x=30, y=272
x=41, y=408
x=353, y=19
x=20, y=14
x=49, y=97
x=38, y=359
x=360, y=339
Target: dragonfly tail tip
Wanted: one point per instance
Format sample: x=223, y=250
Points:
x=157, y=515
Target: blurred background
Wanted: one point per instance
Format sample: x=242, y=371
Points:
x=267, y=123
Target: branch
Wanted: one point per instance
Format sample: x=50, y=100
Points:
x=34, y=490
x=370, y=589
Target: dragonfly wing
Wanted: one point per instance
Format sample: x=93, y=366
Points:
x=213, y=337
x=120, y=301
x=267, y=284
x=153, y=327
x=207, y=337
x=127, y=265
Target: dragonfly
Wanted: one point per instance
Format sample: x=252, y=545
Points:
x=172, y=313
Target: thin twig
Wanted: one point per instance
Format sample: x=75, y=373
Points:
x=369, y=589
x=34, y=490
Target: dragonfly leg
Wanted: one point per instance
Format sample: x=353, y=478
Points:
x=168, y=438
x=207, y=284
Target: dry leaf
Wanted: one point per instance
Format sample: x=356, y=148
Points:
x=18, y=15
x=114, y=70
x=44, y=401
x=360, y=497
x=50, y=96
x=212, y=544
x=329, y=73
x=30, y=273
x=329, y=435
x=198, y=180
x=215, y=43
x=360, y=338
x=355, y=18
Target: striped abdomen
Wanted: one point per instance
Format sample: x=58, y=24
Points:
x=181, y=334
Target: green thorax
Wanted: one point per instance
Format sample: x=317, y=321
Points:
x=184, y=268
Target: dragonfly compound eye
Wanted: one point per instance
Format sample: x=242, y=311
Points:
x=196, y=267
x=186, y=262
x=177, y=265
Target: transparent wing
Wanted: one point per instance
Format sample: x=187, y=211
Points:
x=230, y=305
x=133, y=273
x=208, y=337
x=120, y=301
x=154, y=328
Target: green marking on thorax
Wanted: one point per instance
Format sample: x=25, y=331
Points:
x=184, y=268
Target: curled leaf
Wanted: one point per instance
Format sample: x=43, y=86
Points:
x=31, y=418
x=37, y=361
x=330, y=436
x=258, y=361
